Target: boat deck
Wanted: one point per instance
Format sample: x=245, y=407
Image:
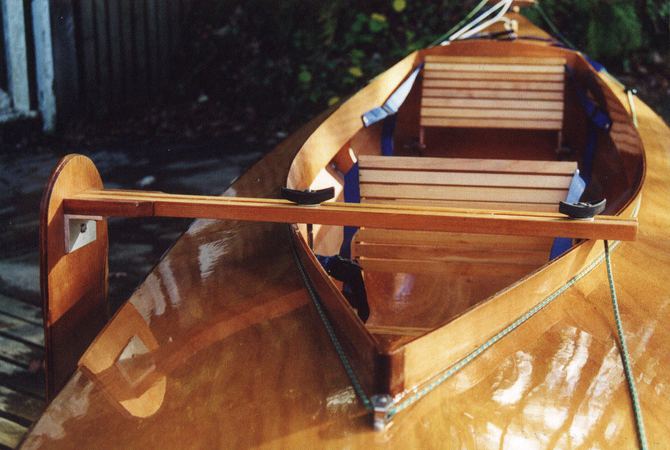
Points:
x=21, y=378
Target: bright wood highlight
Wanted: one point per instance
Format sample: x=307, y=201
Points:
x=74, y=285
x=470, y=165
x=150, y=204
x=486, y=79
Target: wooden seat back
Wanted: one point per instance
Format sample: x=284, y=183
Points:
x=492, y=92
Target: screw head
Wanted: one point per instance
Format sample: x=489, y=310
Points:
x=82, y=228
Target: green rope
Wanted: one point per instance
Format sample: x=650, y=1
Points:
x=553, y=27
x=625, y=356
x=420, y=393
x=456, y=27
x=348, y=368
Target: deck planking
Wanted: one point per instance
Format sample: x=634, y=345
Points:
x=21, y=377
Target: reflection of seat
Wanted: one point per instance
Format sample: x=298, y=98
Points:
x=492, y=92
x=458, y=268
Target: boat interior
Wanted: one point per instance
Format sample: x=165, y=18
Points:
x=478, y=130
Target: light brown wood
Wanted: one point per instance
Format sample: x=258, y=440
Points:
x=455, y=258
x=474, y=254
x=493, y=67
x=465, y=179
x=494, y=85
x=444, y=76
x=463, y=193
x=492, y=113
x=149, y=204
x=495, y=104
x=455, y=240
x=490, y=123
x=74, y=286
x=455, y=75
x=554, y=382
x=544, y=207
x=492, y=59
x=470, y=165
x=492, y=94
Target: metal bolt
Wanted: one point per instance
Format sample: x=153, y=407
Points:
x=82, y=228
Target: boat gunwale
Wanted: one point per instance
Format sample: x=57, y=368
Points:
x=412, y=346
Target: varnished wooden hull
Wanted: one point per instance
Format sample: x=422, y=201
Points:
x=240, y=359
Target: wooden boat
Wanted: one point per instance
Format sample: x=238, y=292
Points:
x=467, y=332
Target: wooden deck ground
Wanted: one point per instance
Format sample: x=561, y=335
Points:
x=21, y=377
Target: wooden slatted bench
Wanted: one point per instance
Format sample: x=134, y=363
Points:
x=492, y=92
x=473, y=265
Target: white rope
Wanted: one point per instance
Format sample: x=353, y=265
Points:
x=488, y=23
x=480, y=22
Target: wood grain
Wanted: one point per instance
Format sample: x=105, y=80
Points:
x=555, y=382
x=138, y=204
x=74, y=286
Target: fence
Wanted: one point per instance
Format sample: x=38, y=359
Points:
x=127, y=47
x=26, y=84
x=66, y=56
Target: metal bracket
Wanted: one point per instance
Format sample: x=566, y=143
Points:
x=79, y=231
x=380, y=411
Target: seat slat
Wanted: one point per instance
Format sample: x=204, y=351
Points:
x=454, y=75
x=513, y=81
x=492, y=94
x=491, y=123
x=468, y=165
x=544, y=105
x=495, y=85
x=496, y=60
x=504, y=206
x=464, y=193
x=489, y=67
x=491, y=113
x=464, y=179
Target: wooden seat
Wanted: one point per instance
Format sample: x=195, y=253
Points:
x=471, y=266
x=492, y=92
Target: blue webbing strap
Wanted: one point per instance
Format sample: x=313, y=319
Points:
x=387, y=135
x=575, y=191
x=598, y=120
x=387, y=113
x=394, y=102
x=352, y=194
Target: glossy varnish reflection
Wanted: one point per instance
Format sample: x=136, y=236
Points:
x=556, y=382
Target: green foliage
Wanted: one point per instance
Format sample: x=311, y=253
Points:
x=294, y=57
x=610, y=30
x=283, y=61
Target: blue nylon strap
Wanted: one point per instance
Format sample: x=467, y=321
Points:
x=575, y=191
x=394, y=102
x=387, y=135
x=352, y=194
x=387, y=113
x=595, y=64
x=598, y=120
